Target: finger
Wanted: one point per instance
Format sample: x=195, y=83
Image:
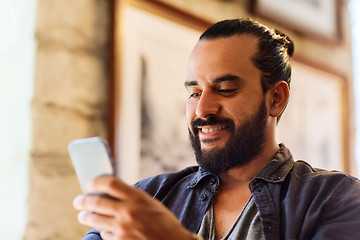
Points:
x=114, y=187
x=97, y=221
x=107, y=226
x=106, y=235
x=98, y=204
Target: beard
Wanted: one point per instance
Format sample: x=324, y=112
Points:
x=245, y=142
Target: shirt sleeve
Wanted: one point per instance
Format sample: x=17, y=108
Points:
x=341, y=218
x=93, y=234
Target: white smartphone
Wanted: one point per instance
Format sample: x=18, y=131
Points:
x=91, y=158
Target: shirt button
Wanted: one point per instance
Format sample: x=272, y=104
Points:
x=203, y=197
x=269, y=228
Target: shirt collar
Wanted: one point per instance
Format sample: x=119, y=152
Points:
x=200, y=175
x=278, y=168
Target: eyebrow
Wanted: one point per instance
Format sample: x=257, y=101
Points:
x=225, y=78
x=190, y=83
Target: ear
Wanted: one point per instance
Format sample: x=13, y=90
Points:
x=279, y=96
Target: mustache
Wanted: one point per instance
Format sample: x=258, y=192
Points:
x=212, y=120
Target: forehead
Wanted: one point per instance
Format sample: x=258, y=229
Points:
x=245, y=44
x=218, y=57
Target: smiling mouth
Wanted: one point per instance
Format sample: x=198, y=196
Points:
x=211, y=129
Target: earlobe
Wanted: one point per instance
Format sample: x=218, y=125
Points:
x=279, y=98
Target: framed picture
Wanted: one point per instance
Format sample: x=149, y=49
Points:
x=152, y=134
x=151, y=131
x=314, y=123
x=315, y=18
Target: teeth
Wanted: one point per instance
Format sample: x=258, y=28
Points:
x=209, y=130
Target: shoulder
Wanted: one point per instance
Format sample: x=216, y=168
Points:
x=305, y=172
x=336, y=183
x=318, y=204
x=330, y=200
x=160, y=185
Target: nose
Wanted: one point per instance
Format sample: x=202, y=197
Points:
x=207, y=105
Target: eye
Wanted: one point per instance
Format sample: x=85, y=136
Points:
x=194, y=92
x=227, y=92
x=194, y=95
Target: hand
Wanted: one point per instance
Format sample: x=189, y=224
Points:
x=135, y=215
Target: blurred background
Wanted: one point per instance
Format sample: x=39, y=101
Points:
x=75, y=69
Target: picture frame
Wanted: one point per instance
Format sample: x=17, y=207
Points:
x=321, y=21
x=151, y=132
x=150, y=125
x=316, y=116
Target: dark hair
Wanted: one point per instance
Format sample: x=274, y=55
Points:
x=274, y=48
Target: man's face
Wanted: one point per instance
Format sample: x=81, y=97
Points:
x=226, y=108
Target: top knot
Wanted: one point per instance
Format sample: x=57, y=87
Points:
x=287, y=42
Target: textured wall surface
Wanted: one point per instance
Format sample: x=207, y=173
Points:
x=70, y=101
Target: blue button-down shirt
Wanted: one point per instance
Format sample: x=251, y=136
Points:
x=294, y=200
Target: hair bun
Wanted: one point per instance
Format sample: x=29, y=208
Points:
x=290, y=46
x=288, y=43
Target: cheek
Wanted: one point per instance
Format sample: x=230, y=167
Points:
x=238, y=112
x=235, y=111
x=189, y=110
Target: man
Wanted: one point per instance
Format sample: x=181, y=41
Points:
x=247, y=186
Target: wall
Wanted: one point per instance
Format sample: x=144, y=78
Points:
x=70, y=101
x=17, y=49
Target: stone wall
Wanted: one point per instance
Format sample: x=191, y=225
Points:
x=70, y=102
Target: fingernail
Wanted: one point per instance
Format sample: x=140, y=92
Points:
x=81, y=216
x=77, y=202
